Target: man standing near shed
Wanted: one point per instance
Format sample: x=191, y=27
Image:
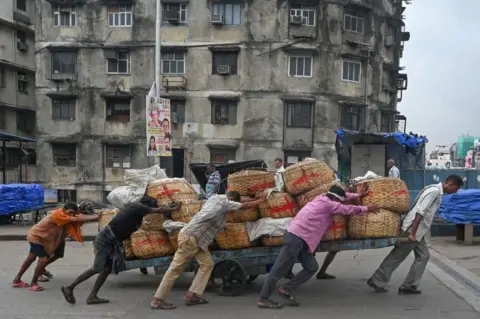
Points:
x=416, y=225
x=213, y=182
x=393, y=170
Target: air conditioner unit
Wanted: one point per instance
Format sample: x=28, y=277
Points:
x=173, y=16
x=217, y=19
x=174, y=117
x=22, y=46
x=23, y=78
x=223, y=69
x=296, y=20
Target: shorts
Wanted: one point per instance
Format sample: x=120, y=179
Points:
x=103, y=255
x=40, y=252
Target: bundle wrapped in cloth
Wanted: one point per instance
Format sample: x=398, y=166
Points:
x=306, y=175
x=270, y=228
x=250, y=181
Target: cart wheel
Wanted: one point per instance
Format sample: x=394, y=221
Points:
x=251, y=278
x=233, y=277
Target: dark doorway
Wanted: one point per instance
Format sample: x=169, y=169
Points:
x=178, y=162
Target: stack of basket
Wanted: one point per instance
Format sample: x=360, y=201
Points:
x=389, y=194
x=247, y=183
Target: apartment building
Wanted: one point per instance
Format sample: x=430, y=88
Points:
x=246, y=80
x=17, y=91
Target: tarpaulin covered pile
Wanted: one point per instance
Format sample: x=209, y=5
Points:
x=462, y=207
x=16, y=198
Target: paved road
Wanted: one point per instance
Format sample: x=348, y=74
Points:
x=344, y=298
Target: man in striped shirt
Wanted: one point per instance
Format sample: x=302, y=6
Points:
x=214, y=180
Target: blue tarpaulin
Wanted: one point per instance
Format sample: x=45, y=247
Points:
x=16, y=198
x=462, y=207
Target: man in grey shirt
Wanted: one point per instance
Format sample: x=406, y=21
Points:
x=394, y=171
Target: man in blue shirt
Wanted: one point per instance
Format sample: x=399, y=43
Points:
x=214, y=180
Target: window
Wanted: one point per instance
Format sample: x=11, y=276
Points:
x=118, y=156
x=173, y=63
x=307, y=12
x=3, y=118
x=3, y=75
x=222, y=59
x=351, y=71
x=120, y=15
x=64, y=155
x=177, y=107
x=26, y=121
x=295, y=157
x=119, y=64
x=221, y=156
x=232, y=12
x=299, y=114
x=353, y=21
x=65, y=195
x=21, y=38
x=300, y=66
x=22, y=82
x=385, y=122
x=175, y=12
x=64, y=63
x=31, y=156
x=63, y=109
x=118, y=111
x=22, y=5
x=64, y=16
x=352, y=118
x=224, y=112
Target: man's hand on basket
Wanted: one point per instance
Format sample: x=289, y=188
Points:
x=373, y=209
x=176, y=205
x=365, y=191
x=261, y=196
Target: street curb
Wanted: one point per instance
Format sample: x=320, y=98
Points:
x=461, y=281
x=24, y=237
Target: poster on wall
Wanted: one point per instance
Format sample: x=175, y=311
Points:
x=159, y=134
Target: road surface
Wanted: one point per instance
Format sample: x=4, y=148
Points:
x=347, y=297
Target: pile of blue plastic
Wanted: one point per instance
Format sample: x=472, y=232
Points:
x=462, y=207
x=16, y=198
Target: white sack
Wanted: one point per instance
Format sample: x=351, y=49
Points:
x=368, y=175
x=267, y=227
x=138, y=177
x=170, y=226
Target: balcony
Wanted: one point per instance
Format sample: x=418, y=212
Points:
x=174, y=82
x=67, y=2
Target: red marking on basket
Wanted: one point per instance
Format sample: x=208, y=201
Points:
x=290, y=206
x=305, y=178
x=150, y=241
x=334, y=228
x=402, y=192
x=261, y=187
x=167, y=192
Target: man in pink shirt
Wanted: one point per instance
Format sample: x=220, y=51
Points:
x=301, y=240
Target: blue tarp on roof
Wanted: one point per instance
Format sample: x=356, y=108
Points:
x=16, y=198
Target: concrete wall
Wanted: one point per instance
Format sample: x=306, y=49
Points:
x=261, y=86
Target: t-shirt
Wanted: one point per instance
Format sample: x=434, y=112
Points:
x=128, y=220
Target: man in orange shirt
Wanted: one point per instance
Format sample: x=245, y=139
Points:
x=47, y=239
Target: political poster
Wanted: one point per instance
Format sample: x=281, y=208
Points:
x=159, y=133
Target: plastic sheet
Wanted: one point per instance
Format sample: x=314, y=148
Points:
x=16, y=198
x=267, y=227
x=462, y=207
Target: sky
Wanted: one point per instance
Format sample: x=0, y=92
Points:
x=441, y=61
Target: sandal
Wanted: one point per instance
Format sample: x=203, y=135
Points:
x=68, y=295
x=43, y=278
x=36, y=288
x=290, y=298
x=20, y=284
x=269, y=304
x=97, y=301
x=162, y=305
x=195, y=301
x=47, y=274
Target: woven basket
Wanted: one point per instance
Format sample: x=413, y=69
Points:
x=188, y=209
x=278, y=205
x=105, y=217
x=306, y=175
x=389, y=193
x=337, y=230
x=234, y=236
x=173, y=236
x=127, y=245
x=306, y=198
x=384, y=224
x=242, y=216
x=249, y=182
x=171, y=190
x=153, y=222
x=272, y=240
x=151, y=244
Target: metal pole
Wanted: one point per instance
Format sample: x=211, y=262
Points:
x=158, y=54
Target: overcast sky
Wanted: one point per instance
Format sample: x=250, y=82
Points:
x=441, y=60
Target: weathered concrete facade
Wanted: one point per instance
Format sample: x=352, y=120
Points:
x=17, y=86
x=247, y=79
